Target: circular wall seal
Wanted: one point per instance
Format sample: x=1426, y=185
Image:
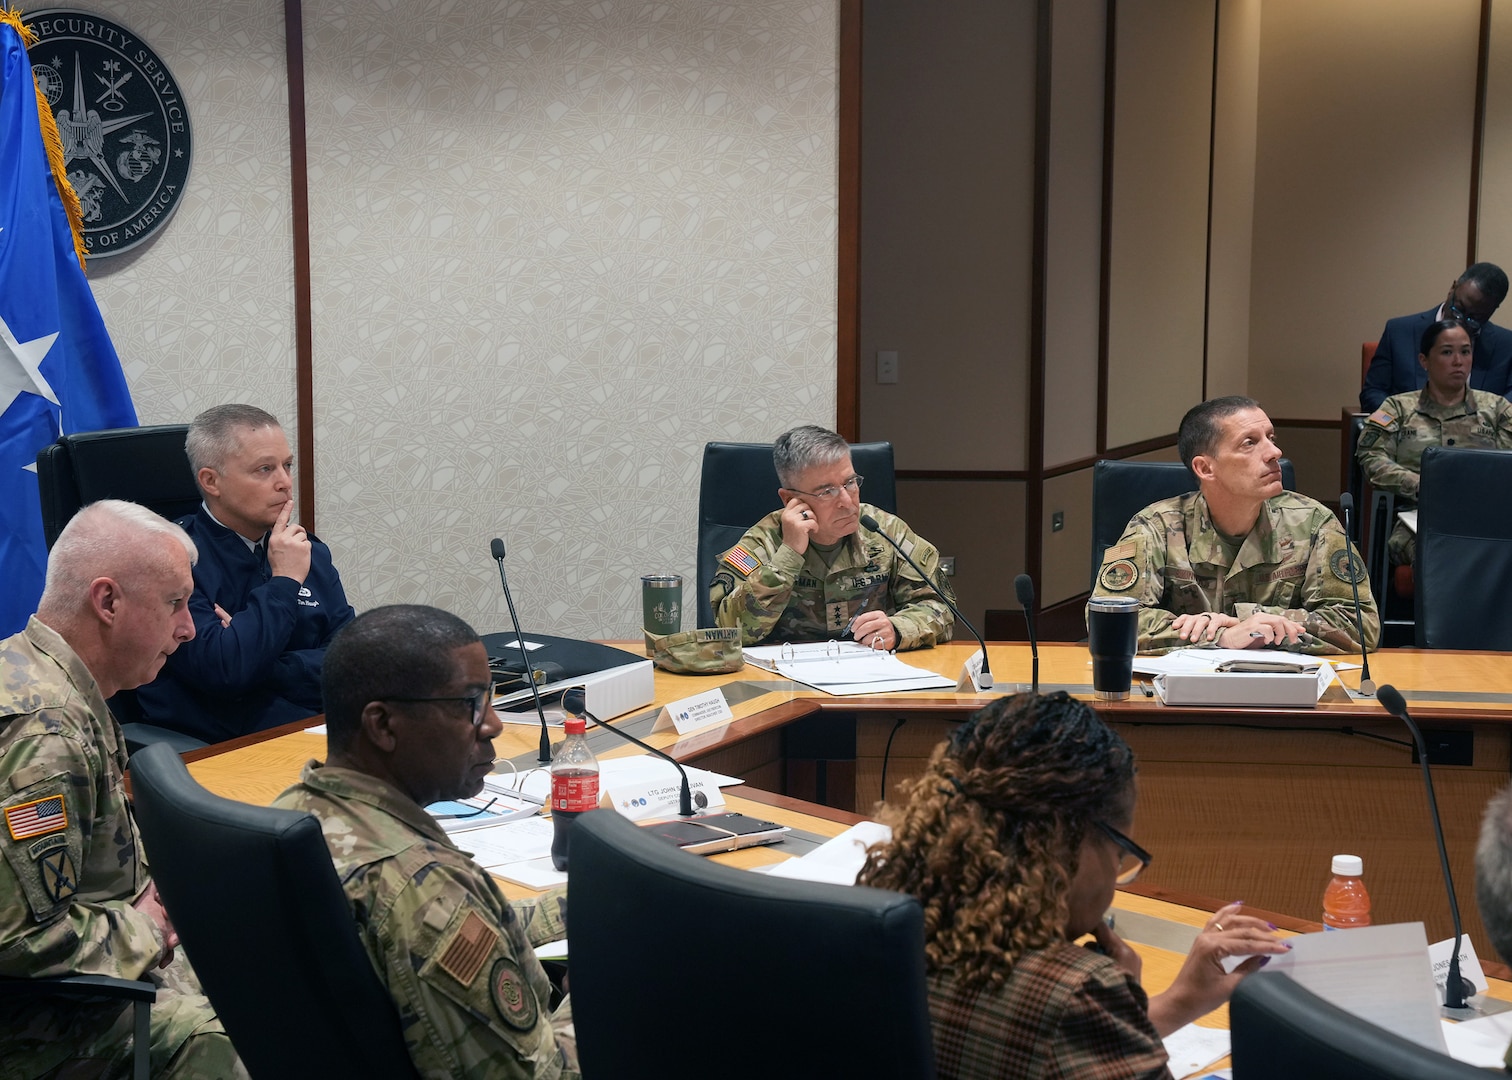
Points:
x=123, y=122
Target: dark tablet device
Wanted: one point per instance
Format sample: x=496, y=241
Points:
x=713, y=833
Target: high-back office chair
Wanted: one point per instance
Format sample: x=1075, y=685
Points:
x=845, y=963
x=1121, y=489
x=739, y=487
x=255, y=899
x=1463, y=570
x=1280, y=1028
x=144, y=465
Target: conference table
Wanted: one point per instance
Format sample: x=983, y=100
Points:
x=1234, y=803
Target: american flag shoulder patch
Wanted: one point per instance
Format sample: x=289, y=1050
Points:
x=37, y=818
x=742, y=560
x=473, y=943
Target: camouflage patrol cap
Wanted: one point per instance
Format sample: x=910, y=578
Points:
x=713, y=651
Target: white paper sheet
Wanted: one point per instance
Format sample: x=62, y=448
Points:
x=513, y=841
x=1202, y=661
x=837, y=860
x=613, y=772
x=1481, y=1042
x=1379, y=973
x=1194, y=1048
x=535, y=874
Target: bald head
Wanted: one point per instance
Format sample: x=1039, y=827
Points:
x=117, y=590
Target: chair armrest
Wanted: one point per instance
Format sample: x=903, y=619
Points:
x=82, y=986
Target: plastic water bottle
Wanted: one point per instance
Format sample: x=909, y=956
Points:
x=1346, y=904
x=574, y=786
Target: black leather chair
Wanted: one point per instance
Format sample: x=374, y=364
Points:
x=738, y=488
x=848, y=959
x=144, y=465
x=1121, y=489
x=255, y=899
x=90, y=988
x=1463, y=570
x=1279, y=1028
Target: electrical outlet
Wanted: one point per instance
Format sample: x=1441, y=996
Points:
x=887, y=366
x=1057, y=521
x=947, y=565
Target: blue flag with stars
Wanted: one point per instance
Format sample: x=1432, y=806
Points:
x=58, y=370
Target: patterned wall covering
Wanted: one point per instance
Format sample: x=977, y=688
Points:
x=205, y=312
x=556, y=247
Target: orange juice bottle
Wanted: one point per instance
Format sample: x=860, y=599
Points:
x=1346, y=904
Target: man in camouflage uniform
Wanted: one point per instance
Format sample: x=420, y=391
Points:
x=1446, y=412
x=409, y=723
x=805, y=573
x=75, y=898
x=1241, y=563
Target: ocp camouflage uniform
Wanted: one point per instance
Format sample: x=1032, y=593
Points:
x=457, y=957
x=1295, y=562
x=773, y=594
x=1394, y=437
x=72, y=867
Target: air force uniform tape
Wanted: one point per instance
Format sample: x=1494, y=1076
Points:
x=714, y=651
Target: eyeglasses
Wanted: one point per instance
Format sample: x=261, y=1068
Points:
x=480, y=703
x=1453, y=309
x=830, y=491
x=1132, y=859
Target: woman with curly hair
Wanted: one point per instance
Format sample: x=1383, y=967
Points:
x=1013, y=841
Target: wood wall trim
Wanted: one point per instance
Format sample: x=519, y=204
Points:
x=1144, y=446
x=1034, y=496
x=1478, y=131
x=304, y=332
x=848, y=255
x=1207, y=269
x=1104, y=280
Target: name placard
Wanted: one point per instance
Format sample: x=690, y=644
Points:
x=695, y=713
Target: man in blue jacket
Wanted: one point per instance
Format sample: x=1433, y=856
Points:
x=1473, y=299
x=266, y=598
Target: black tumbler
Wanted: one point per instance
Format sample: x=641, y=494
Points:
x=1112, y=634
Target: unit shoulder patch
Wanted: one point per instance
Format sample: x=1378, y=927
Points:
x=1347, y=567
x=1118, y=575
x=512, y=996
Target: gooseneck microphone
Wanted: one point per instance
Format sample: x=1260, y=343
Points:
x=574, y=703
x=496, y=547
x=985, y=679
x=1024, y=587
x=1367, y=684
x=1456, y=989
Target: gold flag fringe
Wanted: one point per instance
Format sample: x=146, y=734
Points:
x=53, y=142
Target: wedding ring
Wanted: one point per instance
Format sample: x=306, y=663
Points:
x=1218, y=926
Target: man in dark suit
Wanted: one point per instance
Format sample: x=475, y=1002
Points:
x=1473, y=298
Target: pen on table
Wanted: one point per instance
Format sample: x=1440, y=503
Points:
x=1304, y=638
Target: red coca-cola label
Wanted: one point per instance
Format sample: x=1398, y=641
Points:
x=575, y=793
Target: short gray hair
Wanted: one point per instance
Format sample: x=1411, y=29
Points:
x=803, y=448
x=104, y=540
x=215, y=434
x=1493, y=871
